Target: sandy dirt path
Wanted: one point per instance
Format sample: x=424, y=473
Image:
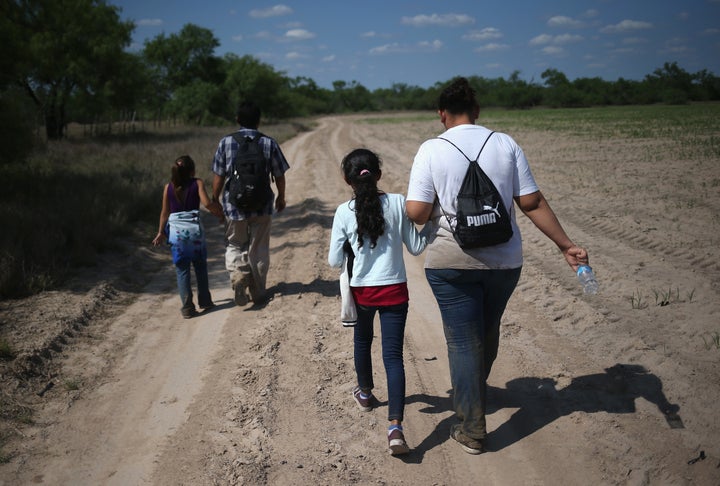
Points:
x=585, y=390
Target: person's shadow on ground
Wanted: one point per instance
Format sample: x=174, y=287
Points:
x=539, y=403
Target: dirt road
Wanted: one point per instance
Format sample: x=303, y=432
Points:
x=585, y=390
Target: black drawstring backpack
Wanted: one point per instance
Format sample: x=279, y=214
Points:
x=481, y=218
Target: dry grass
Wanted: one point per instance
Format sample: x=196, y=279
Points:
x=76, y=198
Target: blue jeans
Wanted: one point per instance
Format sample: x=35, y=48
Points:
x=392, y=328
x=182, y=268
x=471, y=304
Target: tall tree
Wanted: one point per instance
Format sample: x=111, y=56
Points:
x=183, y=59
x=249, y=78
x=17, y=117
x=72, y=46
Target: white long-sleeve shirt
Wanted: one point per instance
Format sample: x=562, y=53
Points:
x=384, y=264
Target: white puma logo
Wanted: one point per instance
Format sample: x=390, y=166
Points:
x=493, y=209
x=484, y=218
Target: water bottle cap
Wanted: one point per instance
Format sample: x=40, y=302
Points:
x=583, y=268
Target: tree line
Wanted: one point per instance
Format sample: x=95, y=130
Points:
x=65, y=61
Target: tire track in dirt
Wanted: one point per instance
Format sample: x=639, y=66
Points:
x=262, y=395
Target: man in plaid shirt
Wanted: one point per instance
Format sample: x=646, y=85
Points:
x=247, y=254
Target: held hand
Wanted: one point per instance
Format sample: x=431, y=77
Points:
x=216, y=209
x=576, y=256
x=279, y=204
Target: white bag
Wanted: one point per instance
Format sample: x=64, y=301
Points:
x=348, y=311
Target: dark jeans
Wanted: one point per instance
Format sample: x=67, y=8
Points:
x=471, y=304
x=182, y=268
x=392, y=329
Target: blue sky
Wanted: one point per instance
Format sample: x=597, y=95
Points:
x=421, y=42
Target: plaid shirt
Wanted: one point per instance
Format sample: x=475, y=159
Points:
x=222, y=163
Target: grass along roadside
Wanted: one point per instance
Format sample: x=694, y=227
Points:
x=75, y=199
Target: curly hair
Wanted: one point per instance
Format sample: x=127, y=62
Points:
x=361, y=169
x=458, y=97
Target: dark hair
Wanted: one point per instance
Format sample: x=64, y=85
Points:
x=458, y=97
x=361, y=169
x=182, y=174
x=248, y=115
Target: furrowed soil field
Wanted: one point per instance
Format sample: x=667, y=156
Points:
x=620, y=388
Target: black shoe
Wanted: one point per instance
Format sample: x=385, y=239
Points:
x=189, y=313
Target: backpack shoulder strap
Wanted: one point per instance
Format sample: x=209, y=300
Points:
x=470, y=161
x=468, y=158
x=239, y=138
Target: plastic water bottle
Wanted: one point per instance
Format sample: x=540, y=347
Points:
x=587, y=279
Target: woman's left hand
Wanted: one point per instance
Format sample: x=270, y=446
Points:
x=576, y=256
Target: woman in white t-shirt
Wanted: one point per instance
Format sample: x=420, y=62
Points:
x=472, y=287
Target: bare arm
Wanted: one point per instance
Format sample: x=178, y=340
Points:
x=536, y=207
x=418, y=211
x=280, y=199
x=164, y=215
x=217, y=187
x=212, y=205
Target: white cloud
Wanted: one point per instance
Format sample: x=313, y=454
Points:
x=483, y=34
x=443, y=20
x=492, y=47
x=553, y=41
x=237, y=38
x=295, y=55
x=676, y=49
x=676, y=45
x=299, y=34
x=329, y=58
x=634, y=40
x=430, y=45
x=541, y=40
x=274, y=11
x=624, y=50
x=396, y=48
x=149, y=22
x=567, y=39
x=553, y=50
x=710, y=32
x=626, y=26
x=386, y=49
x=562, y=21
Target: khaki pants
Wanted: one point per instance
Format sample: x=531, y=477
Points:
x=247, y=255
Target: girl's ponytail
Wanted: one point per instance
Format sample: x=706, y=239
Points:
x=361, y=169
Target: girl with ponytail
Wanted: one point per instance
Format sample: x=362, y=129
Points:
x=374, y=227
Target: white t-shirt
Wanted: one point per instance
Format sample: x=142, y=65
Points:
x=437, y=173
